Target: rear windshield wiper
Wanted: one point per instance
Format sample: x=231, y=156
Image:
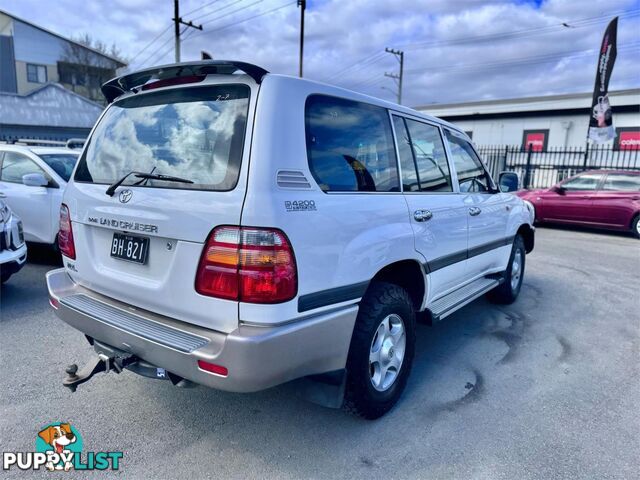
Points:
x=145, y=176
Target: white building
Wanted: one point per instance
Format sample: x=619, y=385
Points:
x=549, y=121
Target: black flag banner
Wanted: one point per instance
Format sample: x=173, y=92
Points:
x=601, y=122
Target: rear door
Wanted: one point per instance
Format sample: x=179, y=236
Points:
x=32, y=204
x=438, y=213
x=613, y=202
x=198, y=133
x=572, y=204
x=487, y=209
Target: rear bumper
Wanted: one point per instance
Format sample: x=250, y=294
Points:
x=256, y=357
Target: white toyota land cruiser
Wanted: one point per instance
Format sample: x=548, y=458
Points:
x=233, y=228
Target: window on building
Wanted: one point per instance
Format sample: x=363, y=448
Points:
x=422, y=156
x=15, y=166
x=350, y=146
x=472, y=177
x=36, y=73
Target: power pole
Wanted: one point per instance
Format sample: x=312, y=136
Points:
x=177, y=20
x=397, y=77
x=303, y=5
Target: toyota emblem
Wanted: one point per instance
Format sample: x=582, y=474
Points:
x=125, y=195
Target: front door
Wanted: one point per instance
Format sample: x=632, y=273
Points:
x=31, y=204
x=438, y=213
x=572, y=202
x=486, y=207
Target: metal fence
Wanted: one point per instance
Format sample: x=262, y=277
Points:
x=542, y=169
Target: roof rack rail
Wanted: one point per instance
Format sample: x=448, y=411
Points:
x=36, y=142
x=125, y=83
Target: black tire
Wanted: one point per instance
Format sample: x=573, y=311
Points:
x=361, y=397
x=508, y=291
x=634, y=227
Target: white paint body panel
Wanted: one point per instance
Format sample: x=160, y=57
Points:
x=345, y=241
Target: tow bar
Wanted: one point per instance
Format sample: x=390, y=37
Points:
x=101, y=363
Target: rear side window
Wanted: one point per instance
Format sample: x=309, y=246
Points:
x=62, y=163
x=429, y=158
x=195, y=133
x=350, y=146
x=622, y=183
x=472, y=177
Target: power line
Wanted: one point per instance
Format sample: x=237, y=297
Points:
x=201, y=7
x=523, y=61
x=360, y=64
x=228, y=13
x=520, y=33
x=245, y=19
x=150, y=43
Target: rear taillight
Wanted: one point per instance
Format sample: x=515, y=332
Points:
x=248, y=264
x=65, y=235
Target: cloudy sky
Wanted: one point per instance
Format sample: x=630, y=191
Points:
x=455, y=50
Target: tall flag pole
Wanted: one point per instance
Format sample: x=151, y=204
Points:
x=601, y=121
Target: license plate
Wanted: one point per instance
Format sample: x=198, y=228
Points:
x=130, y=248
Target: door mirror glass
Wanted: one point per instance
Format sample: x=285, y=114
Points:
x=35, y=180
x=508, y=182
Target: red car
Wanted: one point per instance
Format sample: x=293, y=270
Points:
x=598, y=198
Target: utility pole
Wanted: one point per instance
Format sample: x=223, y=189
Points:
x=177, y=20
x=303, y=5
x=395, y=76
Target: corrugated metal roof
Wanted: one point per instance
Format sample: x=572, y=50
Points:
x=51, y=105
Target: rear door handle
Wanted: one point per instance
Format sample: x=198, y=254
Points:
x=422, y=215
x=473, y=211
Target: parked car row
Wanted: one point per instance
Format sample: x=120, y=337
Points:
x=13, y=249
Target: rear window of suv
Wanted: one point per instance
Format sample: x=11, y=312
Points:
x=350, y=146
x=193, y=133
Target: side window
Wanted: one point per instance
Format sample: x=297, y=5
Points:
x=582, y=182
x=622, y=182
x=410, y=181
x=472, y=177
x=15, y=165
x=350, y=146
x=431, y=161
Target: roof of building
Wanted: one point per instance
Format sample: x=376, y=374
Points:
x=50, y=105
x=97, y=52
x=546, y=103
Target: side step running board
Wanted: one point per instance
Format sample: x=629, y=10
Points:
x=448, y=304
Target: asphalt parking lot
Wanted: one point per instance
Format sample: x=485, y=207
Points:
x=548, y=387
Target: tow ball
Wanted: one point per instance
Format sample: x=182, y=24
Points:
x=101, y=363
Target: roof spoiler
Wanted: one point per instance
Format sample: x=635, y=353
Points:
x=119, y=85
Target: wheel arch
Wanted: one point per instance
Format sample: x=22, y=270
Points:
x=407, y=274
x=527, y=234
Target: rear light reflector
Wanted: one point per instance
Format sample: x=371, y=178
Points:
x=65, y=235
x=213, y=368
x=54, y=303
x=248, y=264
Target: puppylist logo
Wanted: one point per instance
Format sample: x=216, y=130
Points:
x=59, y=448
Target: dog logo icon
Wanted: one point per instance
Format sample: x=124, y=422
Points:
x=61, y=439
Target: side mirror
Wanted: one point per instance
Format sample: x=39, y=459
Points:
x=35, y=180
x=508, y=182
x=559, y=189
